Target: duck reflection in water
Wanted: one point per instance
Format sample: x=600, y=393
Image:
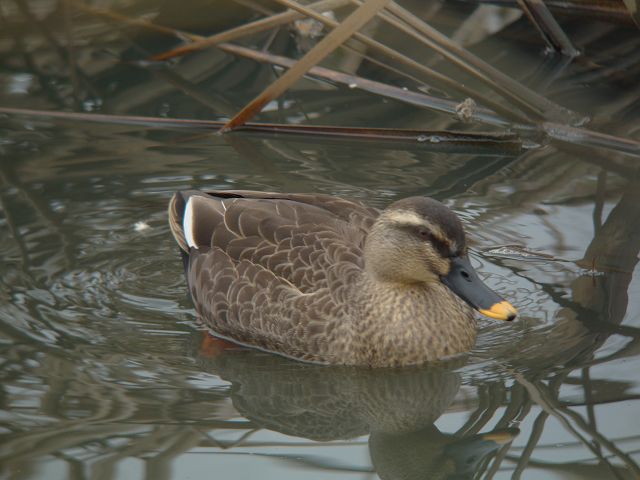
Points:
x=396, y=407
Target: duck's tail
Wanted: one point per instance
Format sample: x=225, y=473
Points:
x=193, y=216
x=177, y=206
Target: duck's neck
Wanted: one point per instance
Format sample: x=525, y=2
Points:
x=402, y=324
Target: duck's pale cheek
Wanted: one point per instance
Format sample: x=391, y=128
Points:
x=443, y=267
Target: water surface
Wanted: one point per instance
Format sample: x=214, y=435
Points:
x=107, y=372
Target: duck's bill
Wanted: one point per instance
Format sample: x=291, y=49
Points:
x=464, y=282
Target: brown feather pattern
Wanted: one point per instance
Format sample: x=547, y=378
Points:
x=286, y=273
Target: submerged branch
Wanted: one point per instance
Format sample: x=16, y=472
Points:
x=589, y=138
x=501, y=142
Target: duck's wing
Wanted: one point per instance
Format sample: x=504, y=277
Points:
x=348, y=210
x=250, y=305
x=272, y=272
x=308, y=240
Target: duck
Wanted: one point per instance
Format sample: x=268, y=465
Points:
x=328, y=280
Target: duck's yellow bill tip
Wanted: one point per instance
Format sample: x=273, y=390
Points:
x=500, y=311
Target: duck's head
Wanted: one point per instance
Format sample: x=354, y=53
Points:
x=419, y=240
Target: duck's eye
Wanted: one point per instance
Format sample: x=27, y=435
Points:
x=424, y=233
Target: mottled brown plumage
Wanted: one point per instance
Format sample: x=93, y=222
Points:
x=323, y=279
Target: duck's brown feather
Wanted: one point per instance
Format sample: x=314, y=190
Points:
x=272, y=270
x=286, y=273
x=299, y=238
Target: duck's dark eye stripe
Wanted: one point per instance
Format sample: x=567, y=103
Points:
x=441, y=247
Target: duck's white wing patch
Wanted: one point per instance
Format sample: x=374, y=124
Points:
x=188, y=223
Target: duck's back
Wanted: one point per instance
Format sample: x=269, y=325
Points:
x=273, y=271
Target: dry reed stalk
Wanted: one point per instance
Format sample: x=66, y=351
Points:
x=356, y=20
x=501, y=142
x=549, y=29
x=248, y=29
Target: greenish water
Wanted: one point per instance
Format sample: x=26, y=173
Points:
x=107, y=372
